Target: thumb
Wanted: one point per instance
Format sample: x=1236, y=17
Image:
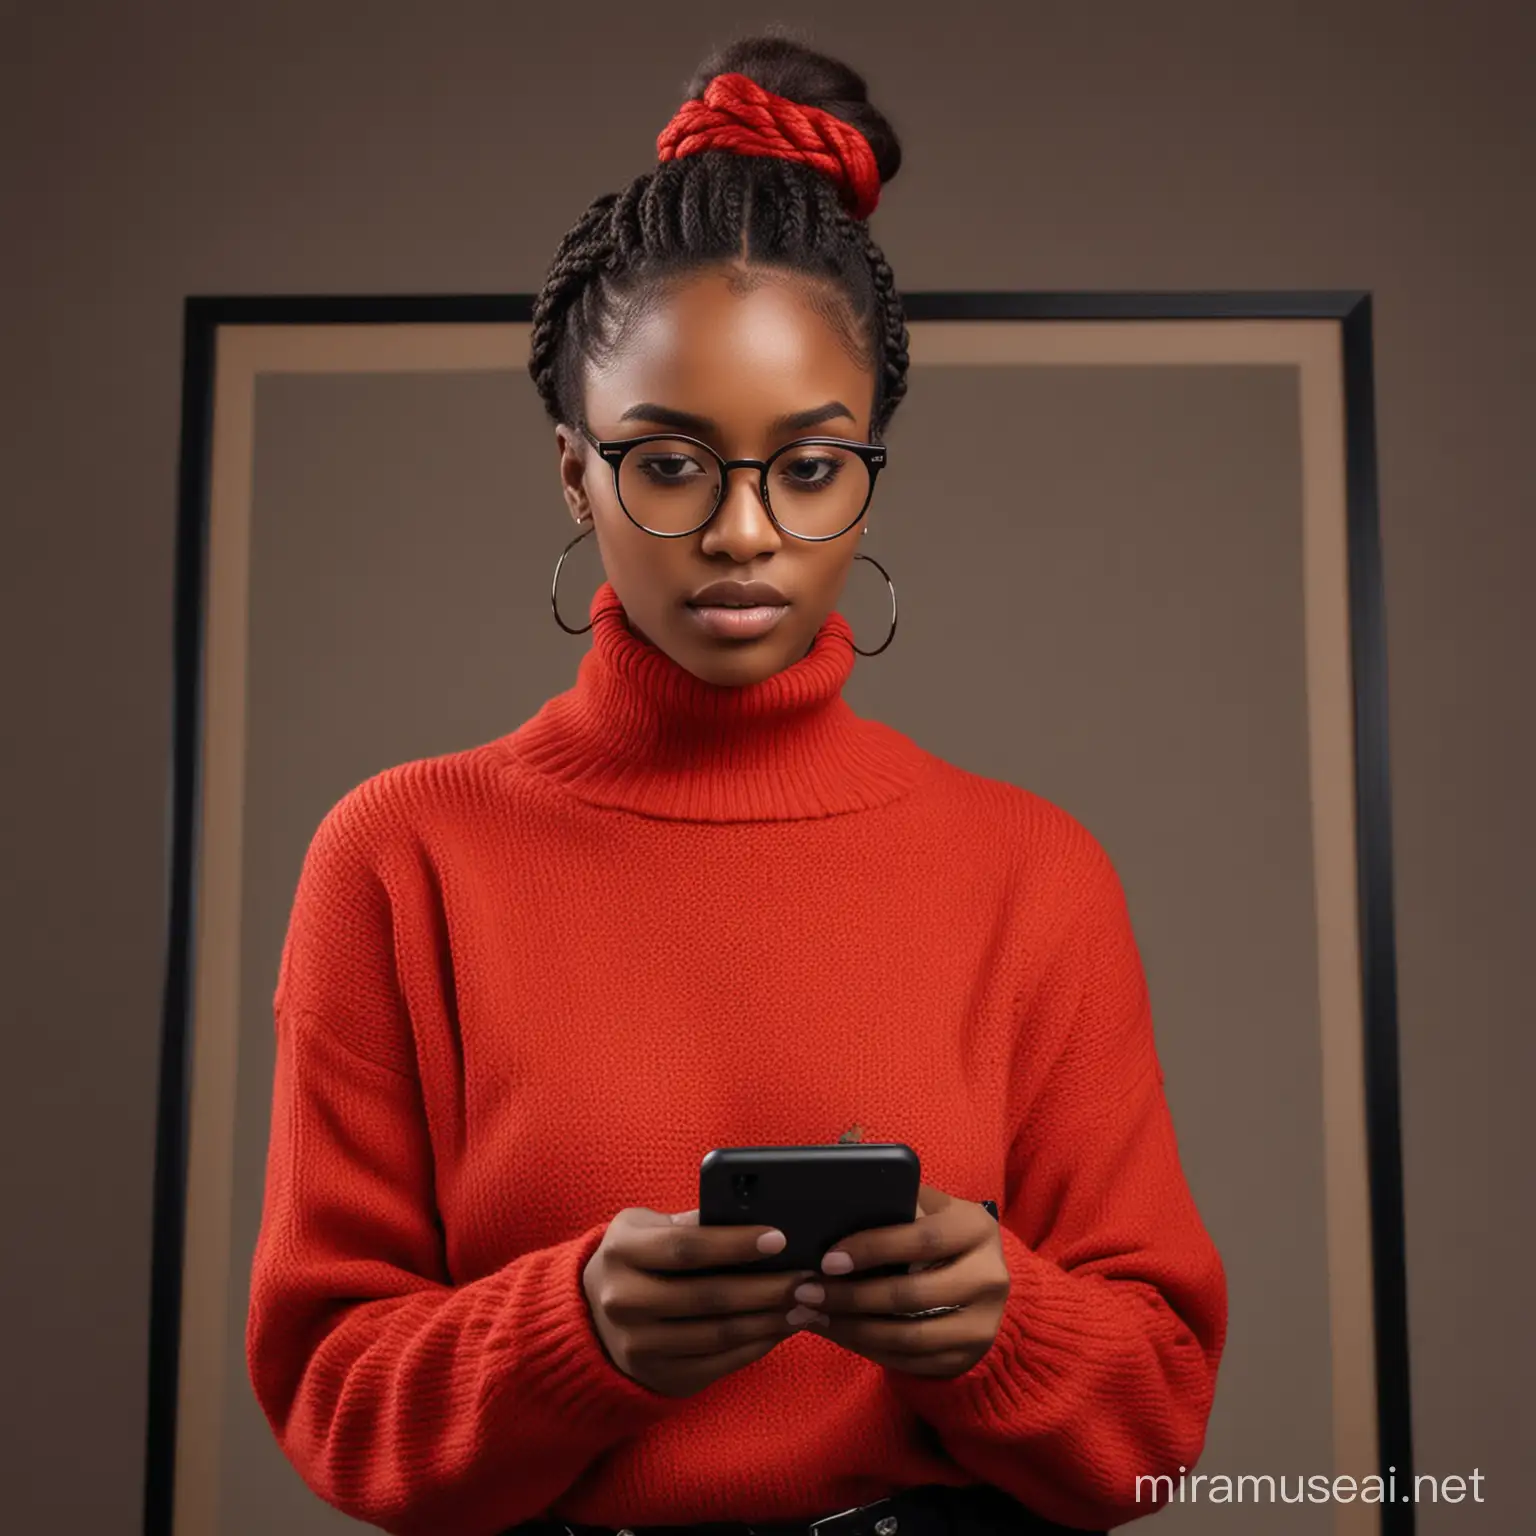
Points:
x=644, y=1216
x=685, y=1218
x=931, y=1201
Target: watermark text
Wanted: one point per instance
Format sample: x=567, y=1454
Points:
x=1319, y=1488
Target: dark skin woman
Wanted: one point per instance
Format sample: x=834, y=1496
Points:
x=698, y=902
x=731, y=352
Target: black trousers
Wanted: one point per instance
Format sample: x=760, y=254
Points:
x=933, y=1511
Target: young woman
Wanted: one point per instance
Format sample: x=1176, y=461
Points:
x=695, y=902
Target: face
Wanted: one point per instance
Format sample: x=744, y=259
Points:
x=745, y=366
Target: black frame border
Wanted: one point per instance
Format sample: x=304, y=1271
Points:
x=1351, y=309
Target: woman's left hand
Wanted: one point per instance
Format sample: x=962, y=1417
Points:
x=965, y=1274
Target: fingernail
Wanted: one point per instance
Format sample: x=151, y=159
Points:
x=811, y=1295
x=771, y=1242
x=803, y=1316
x=836, y=1264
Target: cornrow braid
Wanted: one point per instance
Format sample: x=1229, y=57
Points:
x=718, y=207
x=586, y=251
x=895, y=336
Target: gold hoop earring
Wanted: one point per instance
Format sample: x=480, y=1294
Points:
x=554, y=586
x=892, y=586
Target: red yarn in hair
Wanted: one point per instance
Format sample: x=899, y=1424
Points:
x=737, y=114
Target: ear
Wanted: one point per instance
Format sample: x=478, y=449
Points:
x=573, y=450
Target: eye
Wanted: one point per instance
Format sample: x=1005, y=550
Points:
x=669, y=467
x=809, y=471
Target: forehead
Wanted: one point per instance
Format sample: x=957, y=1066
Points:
x=724, y=343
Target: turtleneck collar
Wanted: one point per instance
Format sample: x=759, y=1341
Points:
x=639, y=732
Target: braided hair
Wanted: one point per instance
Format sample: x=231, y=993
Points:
x=717, y=207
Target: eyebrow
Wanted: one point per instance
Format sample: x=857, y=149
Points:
x=701, y=426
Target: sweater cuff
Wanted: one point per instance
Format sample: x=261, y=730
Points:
x=555, y=1364
x=1041, y=1337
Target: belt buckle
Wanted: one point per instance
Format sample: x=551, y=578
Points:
x=833, y=1525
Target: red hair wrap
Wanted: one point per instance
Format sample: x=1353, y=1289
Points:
x=738, y=115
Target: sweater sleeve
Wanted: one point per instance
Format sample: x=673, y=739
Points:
x=402, y=1399
x=1104, y=1366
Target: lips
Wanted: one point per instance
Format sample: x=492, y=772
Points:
x=738, y=594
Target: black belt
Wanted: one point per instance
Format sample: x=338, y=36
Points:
x=977, y=1510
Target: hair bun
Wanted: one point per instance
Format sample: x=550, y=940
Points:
x=800, y=74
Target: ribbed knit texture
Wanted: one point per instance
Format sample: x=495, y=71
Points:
x=527, y=985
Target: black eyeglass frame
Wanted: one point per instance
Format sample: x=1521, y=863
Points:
x=613, y=453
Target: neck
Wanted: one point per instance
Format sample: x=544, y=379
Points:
x=639, y=732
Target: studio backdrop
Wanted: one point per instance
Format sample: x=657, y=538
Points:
x=1134, y=538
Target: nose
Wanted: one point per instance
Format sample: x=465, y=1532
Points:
x=741, y=526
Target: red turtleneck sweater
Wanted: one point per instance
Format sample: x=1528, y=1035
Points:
x=529, y=984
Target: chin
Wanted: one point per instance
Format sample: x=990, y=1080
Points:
x=739, y=663
x=735, y=666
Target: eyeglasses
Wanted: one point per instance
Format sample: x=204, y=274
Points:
x=815, y=488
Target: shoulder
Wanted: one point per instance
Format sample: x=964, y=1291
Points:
x=1038, y=856
x=418, y=806
x=1036, y=831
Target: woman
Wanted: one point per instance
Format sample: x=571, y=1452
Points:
x=694, y=902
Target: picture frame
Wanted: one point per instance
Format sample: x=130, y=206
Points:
x=1313, y=349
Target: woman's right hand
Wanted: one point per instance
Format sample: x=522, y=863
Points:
x=671, y=1329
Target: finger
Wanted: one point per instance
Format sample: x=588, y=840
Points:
x=643, y=1297
x=650, y=1240
x=928, y=1240
x=969, y=1281
x=708, y=1337
x=894, y=1295
x=904, y=1339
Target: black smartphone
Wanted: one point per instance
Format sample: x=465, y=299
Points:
x=815, y=1196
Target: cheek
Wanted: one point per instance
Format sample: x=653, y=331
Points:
x=642, y=569
x=833, y=571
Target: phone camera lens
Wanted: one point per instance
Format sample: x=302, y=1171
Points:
x=744, y=1186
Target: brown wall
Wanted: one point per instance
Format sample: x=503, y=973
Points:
x=153, y=152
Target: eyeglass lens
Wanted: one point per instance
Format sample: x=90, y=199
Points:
x=672, y=486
